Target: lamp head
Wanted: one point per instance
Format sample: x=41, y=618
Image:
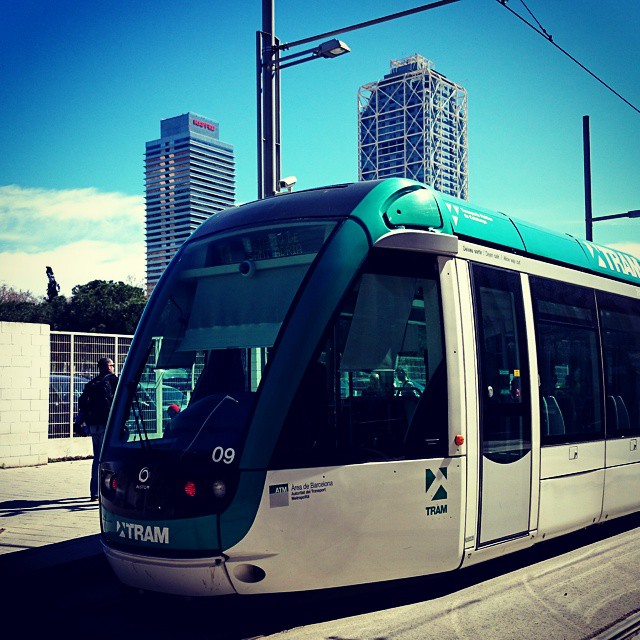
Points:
x=332, y=49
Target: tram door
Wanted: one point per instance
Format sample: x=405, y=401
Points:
x=505, y=405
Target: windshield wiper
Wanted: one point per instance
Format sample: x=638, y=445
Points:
x=139, y=421
x=207, y=420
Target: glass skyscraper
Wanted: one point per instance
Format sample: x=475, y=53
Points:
x=189, y=175
x=413, y=124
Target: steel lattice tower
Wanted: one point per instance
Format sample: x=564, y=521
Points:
x=413, y=124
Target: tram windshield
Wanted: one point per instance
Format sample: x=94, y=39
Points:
x=211, y=335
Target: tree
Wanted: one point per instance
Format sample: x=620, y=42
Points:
x=9, y=294
x=20, y=306
x=102, y=306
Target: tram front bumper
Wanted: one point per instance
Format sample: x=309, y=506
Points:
x=176, y=576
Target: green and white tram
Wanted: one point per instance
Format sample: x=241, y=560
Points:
x=369, y=382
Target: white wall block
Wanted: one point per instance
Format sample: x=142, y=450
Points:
x=24, y=389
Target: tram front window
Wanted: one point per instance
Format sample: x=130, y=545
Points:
x=207, y=347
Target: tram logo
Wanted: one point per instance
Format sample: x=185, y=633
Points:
x=144, y=474
x=436, y=491
x=614, y=260
x=140, y=533
x=278, y=495
x=144, y=477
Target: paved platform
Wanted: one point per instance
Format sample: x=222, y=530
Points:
x=573, y=588
x=46, y=516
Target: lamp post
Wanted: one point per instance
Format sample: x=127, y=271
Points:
x=588, y=210
x=268, y=69
x=269, y=63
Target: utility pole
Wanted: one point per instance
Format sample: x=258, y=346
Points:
x=588, y=209
x=268, y=83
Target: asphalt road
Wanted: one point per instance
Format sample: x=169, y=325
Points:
x=572, y=588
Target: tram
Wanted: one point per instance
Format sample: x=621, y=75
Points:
x=369, y=382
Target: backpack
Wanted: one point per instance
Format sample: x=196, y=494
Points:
x=95, y=401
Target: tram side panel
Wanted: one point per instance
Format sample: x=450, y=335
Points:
x=622, y=479
x=571, y=486
x=620, y=329
x=589, y=469
x=568, y=477
x=572, y=420
x=321, y=528
x=468, y=399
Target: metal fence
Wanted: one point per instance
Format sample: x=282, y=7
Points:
x=74, y=361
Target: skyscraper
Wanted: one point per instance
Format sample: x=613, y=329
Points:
x=189, y=175
x=413, y=124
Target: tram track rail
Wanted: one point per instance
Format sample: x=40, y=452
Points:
x=626, y=629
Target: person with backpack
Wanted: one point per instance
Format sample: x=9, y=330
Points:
x=94, y=406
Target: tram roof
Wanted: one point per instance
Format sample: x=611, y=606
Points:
x=410, y=204
x=496, y=228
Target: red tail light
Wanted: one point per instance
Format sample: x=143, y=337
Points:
x=190, y=488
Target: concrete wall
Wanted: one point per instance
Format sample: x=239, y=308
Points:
x=69, y=448
x=25, y=353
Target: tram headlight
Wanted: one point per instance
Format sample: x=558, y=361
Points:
x=219, y=489
x=110, y=481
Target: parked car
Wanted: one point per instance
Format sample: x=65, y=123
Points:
x=179, y=379
x=62, y=404
x=170, y=395
x=60, y=386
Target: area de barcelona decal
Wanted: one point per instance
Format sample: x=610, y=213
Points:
x=280, y=494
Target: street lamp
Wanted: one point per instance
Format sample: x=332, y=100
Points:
x=269, y=63
x=332, y=49
x=329, y=49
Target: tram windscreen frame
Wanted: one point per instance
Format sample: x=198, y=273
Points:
x=207, y=344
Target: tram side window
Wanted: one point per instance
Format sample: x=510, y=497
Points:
x=504, y=366
x=377, y=390
x=620, y=326
x=571, y=405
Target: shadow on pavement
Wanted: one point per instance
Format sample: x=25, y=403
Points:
x=10, y=508
x=84, y=596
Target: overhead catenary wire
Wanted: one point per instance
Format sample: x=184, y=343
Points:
x=541, y=31
x=546, y=33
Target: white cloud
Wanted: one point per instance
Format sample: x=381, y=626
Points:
x=81, y=234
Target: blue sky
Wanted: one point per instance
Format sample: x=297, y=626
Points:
x=83, y=86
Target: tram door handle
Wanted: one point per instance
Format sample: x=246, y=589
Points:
x=490, y=391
